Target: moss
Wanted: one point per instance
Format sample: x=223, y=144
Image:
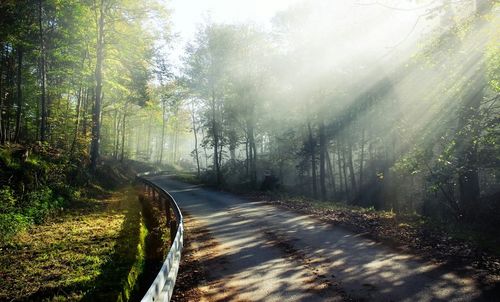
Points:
x=138, y=266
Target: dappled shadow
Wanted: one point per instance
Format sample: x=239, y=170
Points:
x=67, y=257
x=265, y=253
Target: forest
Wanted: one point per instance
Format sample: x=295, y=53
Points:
x=325, y=104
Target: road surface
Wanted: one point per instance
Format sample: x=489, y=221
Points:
x=264, y=253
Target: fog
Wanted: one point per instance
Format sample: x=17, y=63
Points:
x=374, y=103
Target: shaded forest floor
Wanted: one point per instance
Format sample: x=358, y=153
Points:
x=430, y=240
x=67, y=257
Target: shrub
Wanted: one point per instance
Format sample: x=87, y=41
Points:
x=11, y=223
x=7, y=199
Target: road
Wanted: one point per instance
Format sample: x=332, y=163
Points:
x=264, y=253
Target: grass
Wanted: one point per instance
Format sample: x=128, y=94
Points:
x=188, y=177
x=92, y=251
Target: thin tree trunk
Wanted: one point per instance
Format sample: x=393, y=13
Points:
x=117, y=123
x=215, y=136
x=163, y=125
x=344, y=170
x=331, y=173
x=9, y=100
x=362, y=158
x=2, y=137
x=253, y=154
x=351, y=167
x=176, y=142
x=77, y=120
x=43, y=99
x=138, y=141
x=195, y=133
x=247, y=161
x=313, y=161
x=339, y=163
x=96, y=113
x=88, y=93
x=322, y=160
x=122, y=156
x=204, y=147
x=19, y=93
x=148, y=142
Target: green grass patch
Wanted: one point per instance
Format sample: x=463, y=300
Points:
x=93, y=251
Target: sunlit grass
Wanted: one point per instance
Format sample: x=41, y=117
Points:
x=63, y=258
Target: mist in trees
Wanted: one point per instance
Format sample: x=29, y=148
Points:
x=390, y=106
x=338, y=102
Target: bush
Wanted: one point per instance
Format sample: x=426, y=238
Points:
x=7, y=200
x=11, y=223
x=41, y=203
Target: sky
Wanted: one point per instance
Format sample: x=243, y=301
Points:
x=187, y=15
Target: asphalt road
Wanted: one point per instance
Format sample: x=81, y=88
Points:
x=264, y=253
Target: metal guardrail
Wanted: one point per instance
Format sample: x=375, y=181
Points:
x=162, y=287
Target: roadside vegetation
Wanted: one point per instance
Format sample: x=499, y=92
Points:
x=68, y=234
x=383, y=118
x=93, y=250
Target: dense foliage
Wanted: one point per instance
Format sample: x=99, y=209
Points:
x=416, y=131
x=305, y=106
x=74, y=82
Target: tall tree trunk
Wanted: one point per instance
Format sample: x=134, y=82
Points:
x=19, y=92
x=89, y=92
x=117, y=118
x=43, y=97
x=96, y=112
x=215, y=136
x=122, y=156
x=148, y=141
x=312, y=149
x=362, y=157
x=344, y=170
x=247, y=157
x=10, y=95
x=204, y=147
x=253, y=153
x=176, y=142
x=351, y=168
x=2, y=137
x=322, y=160
x=77, y=120
x=195, y=133
x=163, y=125
x=331, y=172
x=339, y=164
x=137, y=132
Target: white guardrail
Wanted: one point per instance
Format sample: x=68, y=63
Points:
x=162, y=287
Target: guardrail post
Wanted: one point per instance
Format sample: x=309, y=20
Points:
x=173, y=230
x=167, y=214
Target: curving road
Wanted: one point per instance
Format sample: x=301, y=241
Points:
x=263, y=253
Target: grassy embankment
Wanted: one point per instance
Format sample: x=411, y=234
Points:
x=78, y=241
